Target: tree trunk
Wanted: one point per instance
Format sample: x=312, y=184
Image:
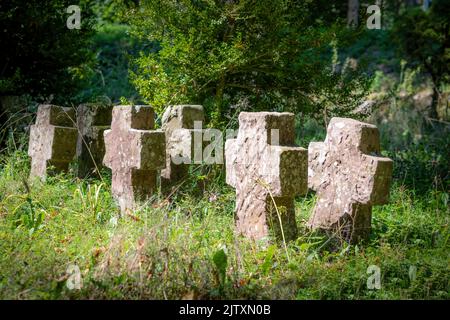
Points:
x=426, y=4
x=353, y=13
x=434, y=103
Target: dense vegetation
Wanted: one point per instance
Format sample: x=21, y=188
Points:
x=229, y=56
x=264, y=55
x=40, y=56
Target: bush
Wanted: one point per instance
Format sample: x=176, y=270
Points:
x=217, y=54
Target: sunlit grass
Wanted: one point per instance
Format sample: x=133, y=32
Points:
x=166, y=249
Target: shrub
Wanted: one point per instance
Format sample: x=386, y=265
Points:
x=230, y=55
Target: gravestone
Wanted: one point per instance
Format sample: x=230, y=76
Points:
x=53, y=140
x=349, y=176
x=92, y=121
x=178, y=125
x=134, y=153
x=266, y=168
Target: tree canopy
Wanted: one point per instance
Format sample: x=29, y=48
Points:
x=258, y=55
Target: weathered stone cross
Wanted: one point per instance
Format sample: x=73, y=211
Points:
x=349, y=177
x=266, y=167
x=133, y=152
x=178, y=125
x=52, y=140
x=92, y=121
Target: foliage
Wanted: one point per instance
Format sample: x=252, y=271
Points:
x=221, y=262
x=264, y=55
x=40, y=55
x=423, y=37
x=417, y=144
x=424, y=163
x=25, y=214
x=107, y=80
x=110, y=11
x=91, y=198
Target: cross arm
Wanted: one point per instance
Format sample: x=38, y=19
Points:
x=285, y=170
x=374, y=180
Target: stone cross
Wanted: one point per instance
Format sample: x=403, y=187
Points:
x=134, y=153
x=178, y=125
x=53, y=140
x=349, y=176
x=92, y=121
x=266, y=168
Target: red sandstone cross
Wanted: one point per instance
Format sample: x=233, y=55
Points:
x=349, y=177
x=133, y=152
x=178, y=125
x=52, y=140
x=263, y=171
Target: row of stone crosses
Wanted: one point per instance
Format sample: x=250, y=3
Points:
x=346, y=170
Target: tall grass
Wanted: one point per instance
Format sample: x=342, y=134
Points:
x=187, y=247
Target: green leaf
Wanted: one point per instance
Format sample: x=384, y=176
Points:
x=268, y=260
x=221, y=261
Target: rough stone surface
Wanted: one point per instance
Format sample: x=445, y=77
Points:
x=349, y=177
x=92, y=121
x=133, y=152
x=178, y=125
x=265, y=166
x=53, y=140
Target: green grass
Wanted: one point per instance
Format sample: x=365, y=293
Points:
x=187, y=247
